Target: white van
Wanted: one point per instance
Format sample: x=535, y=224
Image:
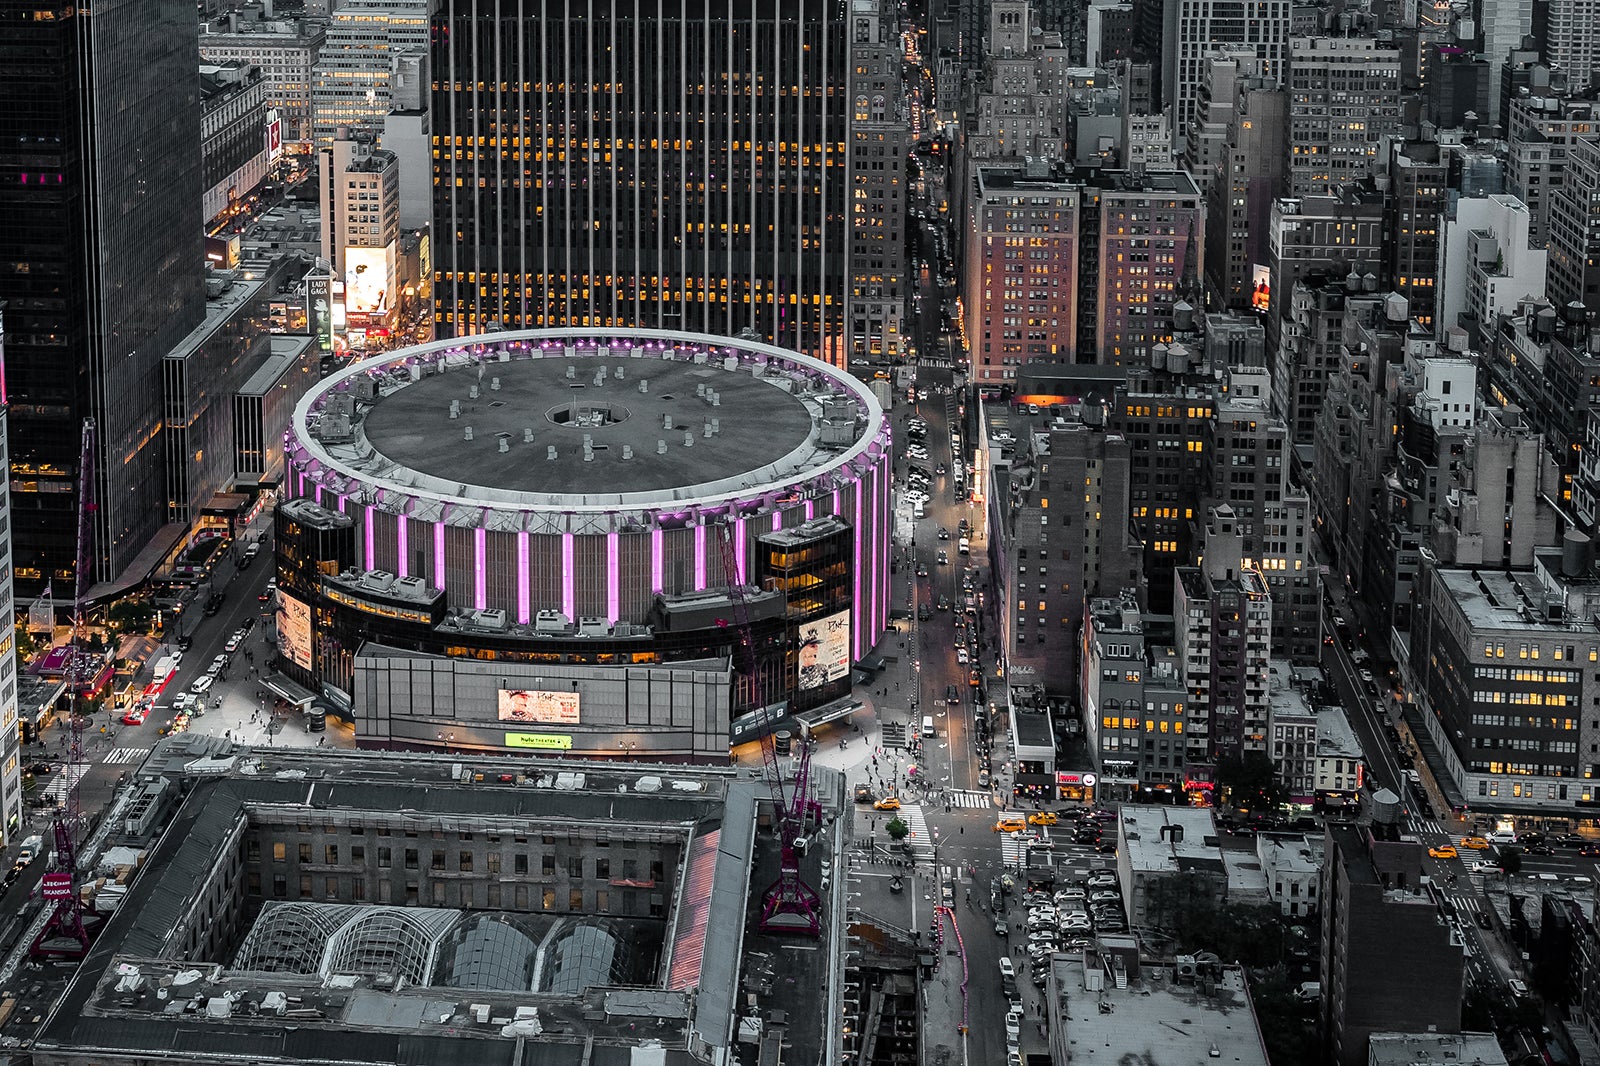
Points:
x=927, y=725
x=201, y=685
x=965, y=546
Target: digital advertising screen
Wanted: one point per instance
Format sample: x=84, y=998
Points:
x=294, y=631
x=367, y=281
x=538, y=705
x=824, y=650
x=319, y=309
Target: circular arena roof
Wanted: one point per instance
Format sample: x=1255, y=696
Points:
x=576, y=420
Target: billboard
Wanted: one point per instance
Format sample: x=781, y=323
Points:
x=538, y=705
x=294, y=630
x=56, y=886
x=319, y=310
x=1260, y=288
x=824, y=650
x=368, y=281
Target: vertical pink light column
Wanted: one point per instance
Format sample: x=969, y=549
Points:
x=524, y=614
x=856, y=629
x=438, y=555
x=569, y=587
x=371, y=564
x=480, y=572
x=402, y=547
x=739, y=545
x=700, y=556
x=613, y=578
x=655, y=560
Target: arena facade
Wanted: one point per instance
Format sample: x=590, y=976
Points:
x=556, y=491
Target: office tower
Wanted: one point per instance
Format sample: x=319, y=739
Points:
x=1353, y=444
x=1215, y=103
x=1251, y=453
x=1572, y=29
x=285, y=50
x=361, y=225
x=1152, y=241
x=1419, y=175
x=1066, y=528
x=1336, y=235
x=1223, y=615
x=1504, y=24
x=1487, y=264
x=233, y=142
x=683, y=169
x=1388, y=963
x=352, y=82
x=10, y=763
x=100, y=234
x=1541, y=127
x=1021, y=292
x=1574, y=236
x=1247, y=177
x=1344, y=97
x=880, y=137
x=1130, y=678
x=1194, y=29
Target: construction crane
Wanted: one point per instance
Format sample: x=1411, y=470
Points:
x=67, y=933
x=789, y=905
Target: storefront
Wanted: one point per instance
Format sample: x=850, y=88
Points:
x=1074, y=786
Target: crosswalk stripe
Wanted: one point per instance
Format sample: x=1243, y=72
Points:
x=963, y=798
x=57, y=789
x=125, y=755
x=920, y=838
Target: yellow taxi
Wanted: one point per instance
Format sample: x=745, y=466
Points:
x=1009, y=824
x=1475, y=843
x=888, y=803
x=1042, y=818
x=1444, y=851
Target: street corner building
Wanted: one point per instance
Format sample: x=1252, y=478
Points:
x=526, y=540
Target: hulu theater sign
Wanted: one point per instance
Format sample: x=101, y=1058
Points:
x=548, y=741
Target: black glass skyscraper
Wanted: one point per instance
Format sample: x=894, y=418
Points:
x=101, y=254
x=671, y=164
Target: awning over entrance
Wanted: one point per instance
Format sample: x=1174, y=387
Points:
x=828, y=712
x=283, y=687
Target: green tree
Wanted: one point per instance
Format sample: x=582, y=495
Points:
x=130, y=616
x=1249, y=782
x=1510, y=860
x=897, y=829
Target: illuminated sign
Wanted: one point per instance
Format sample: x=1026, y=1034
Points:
x=1086, y=780
x=319, y=309
x=824, y=650
x=538, y=740
x=368, y=280
x=538, y=705
x=274, y=136
x=294, y=631
x=1261, y=288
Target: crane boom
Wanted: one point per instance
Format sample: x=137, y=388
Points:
x=66, y=933
x=789, y=905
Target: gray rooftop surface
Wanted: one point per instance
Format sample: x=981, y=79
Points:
x=1148, y=849
x=1156, y=1020
x=758, y=422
